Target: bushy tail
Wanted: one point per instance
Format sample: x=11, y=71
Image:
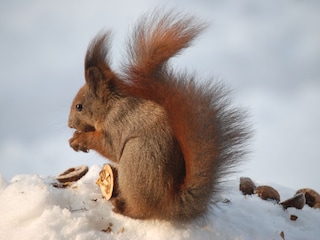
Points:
x=210, y=133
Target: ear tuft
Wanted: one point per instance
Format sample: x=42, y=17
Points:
x=98, y=50
x=100, y=79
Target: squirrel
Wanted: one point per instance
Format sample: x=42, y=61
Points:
x=172, y=139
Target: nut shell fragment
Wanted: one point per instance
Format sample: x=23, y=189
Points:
x=106, y=181
x=297, y=201
x=72, y=174
x=267, y=192
x=247, y=186
x=312, y=197
x=293, y=217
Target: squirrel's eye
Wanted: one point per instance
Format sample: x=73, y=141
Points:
x=79, y=107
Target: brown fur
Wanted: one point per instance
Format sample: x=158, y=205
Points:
x=172, y=139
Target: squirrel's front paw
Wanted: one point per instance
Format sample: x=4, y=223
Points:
x=79, y=142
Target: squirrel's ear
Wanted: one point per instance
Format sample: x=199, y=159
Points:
x=94, y=80
x=101, y=84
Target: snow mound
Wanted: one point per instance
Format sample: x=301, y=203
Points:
x=32, y=208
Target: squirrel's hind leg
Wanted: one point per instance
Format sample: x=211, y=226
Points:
x=123, y=203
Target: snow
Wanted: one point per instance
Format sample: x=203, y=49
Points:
x=31, y=208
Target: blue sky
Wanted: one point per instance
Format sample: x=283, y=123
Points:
x=268, y=52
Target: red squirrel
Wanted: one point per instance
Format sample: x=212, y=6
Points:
x=172, y=139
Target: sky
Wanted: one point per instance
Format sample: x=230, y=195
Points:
x=267, y=52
